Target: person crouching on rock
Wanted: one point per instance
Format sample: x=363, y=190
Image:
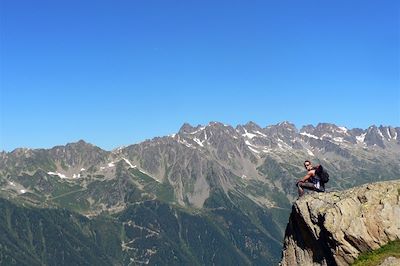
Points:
x=311, y=181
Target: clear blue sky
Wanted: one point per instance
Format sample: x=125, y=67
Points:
x=118, y=72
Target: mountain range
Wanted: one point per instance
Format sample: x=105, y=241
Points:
x=206, y=192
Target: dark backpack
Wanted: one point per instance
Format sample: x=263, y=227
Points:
x=322, y=174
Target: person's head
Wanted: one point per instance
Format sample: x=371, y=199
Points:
x=308, y=165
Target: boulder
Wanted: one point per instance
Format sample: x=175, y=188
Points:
x=334, y=228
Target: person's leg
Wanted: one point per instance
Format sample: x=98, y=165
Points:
x=321, y=188
x=304, y=185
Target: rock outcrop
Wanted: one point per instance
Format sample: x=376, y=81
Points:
x=334, y=228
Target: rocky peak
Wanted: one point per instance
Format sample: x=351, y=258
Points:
x=397, y=134
x=374, y=137
x=283, y=128
x=332, y=133
x=356, y=131
x=80, y=143
x=78, y=153
x=283, y=132
x=307, y=129
x=76, y=147
x=21, y=152
x=217, y=130
x=218, y=126
x=385, y=132
x=334, y=228
x=329, y=131
x=327, y=127
x=388, y=133
x=250, y=126
x=287, y=125
x=186, y=128
x=215, y=135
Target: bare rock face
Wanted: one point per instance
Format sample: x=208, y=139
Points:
x=390, y=261
x=334, y=228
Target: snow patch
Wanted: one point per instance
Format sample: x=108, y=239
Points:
x=198, y=142
x=197, y=131
x=326, y=135
x=343, y=129
x=380, y=133
x=283, y=145
x=249, y=144
x=149, y=175
x=63, y=176
x=57, y=173
x=361, y=138
x=254, y=150
x=310, y=152
x=248, y=135
x=184, y=142
x=12, y=183
x=111, y=164
x=23, y=191
x=260, y=133
x=338, y=139
x=124, y=247
x=129, y=163
x=309, y=135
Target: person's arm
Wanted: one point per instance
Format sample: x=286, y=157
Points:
x=307, y=176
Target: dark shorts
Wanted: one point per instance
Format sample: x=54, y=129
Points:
x=311, y=186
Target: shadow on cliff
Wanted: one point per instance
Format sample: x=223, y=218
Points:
x=298, y=230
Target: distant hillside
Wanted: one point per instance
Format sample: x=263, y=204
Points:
x=235, y=184
x=147, y=233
